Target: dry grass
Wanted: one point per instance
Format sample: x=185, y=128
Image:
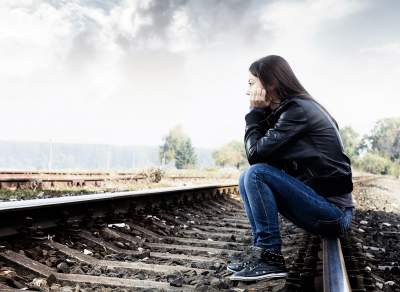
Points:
x=169, y=179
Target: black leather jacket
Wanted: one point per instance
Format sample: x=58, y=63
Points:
x=302, y=139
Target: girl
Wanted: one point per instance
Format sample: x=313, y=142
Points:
x=297, y=168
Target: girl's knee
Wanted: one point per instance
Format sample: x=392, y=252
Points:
x=260, y=168
x=254, y=169
x=242, y=176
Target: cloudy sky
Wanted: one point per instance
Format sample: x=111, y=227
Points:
x=125, y=72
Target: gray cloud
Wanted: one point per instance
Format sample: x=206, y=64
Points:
x=105, y=5
x=84, y=44
x=377, y=24
x=180, y=59
x=161, y=14
x=209, y=21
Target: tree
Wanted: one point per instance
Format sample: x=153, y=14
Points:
x=168, y=149
x=374, y=163
x=185, y=156
x=232, y=154
x=384, y=138
x=396, y=147
x=177, y=146
x=351, y=141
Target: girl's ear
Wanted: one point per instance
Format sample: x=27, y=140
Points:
x=271, y=88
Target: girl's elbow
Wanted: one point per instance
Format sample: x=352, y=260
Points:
x=253, y=157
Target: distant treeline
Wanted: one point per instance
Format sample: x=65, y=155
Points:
x=378, y=151
x=63, y=156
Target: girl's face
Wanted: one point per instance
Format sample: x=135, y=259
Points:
x=254, y=82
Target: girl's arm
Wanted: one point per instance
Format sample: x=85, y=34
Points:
x=261, y=146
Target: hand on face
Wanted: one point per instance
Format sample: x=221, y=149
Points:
x=257, y=93
x=258, y=98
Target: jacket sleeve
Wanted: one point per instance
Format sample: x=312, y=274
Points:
x=262, y=147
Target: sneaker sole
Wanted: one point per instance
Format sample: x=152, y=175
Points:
x=261, y=277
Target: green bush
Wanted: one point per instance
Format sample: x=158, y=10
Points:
x=153, y=174
x=395, y=169
x=377, y=164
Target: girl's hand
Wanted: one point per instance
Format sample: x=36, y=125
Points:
x=258, y=99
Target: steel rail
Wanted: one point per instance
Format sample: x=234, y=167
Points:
x=38, y=203
x=334, y=269
x=20, y=216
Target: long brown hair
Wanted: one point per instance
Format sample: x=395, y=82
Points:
x=275, y=71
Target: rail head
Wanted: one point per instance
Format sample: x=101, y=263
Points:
x=334, y=269
x=113, y=196
x=29, y=215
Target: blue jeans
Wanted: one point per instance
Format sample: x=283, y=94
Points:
x=266, y=190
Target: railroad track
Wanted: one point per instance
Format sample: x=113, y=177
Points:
x=158, y=240
x=47, y=180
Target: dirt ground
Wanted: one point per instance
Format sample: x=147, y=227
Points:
x=376, y=228
x=380, y=194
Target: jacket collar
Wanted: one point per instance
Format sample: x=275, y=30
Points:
x=284, y=101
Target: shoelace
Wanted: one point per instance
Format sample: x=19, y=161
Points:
x=252, y=265
x=248, y=258
x=274, y=257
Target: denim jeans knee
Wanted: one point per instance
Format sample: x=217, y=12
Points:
x=263, y=168
x=241, y=178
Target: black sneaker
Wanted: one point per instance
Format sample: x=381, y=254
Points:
x=240, y=262
x=270, y=264
x=236, y=267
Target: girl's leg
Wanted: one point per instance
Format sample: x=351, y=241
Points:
x=246, y=205
x=240, y=263
x=269, y=189
x=264, y=209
